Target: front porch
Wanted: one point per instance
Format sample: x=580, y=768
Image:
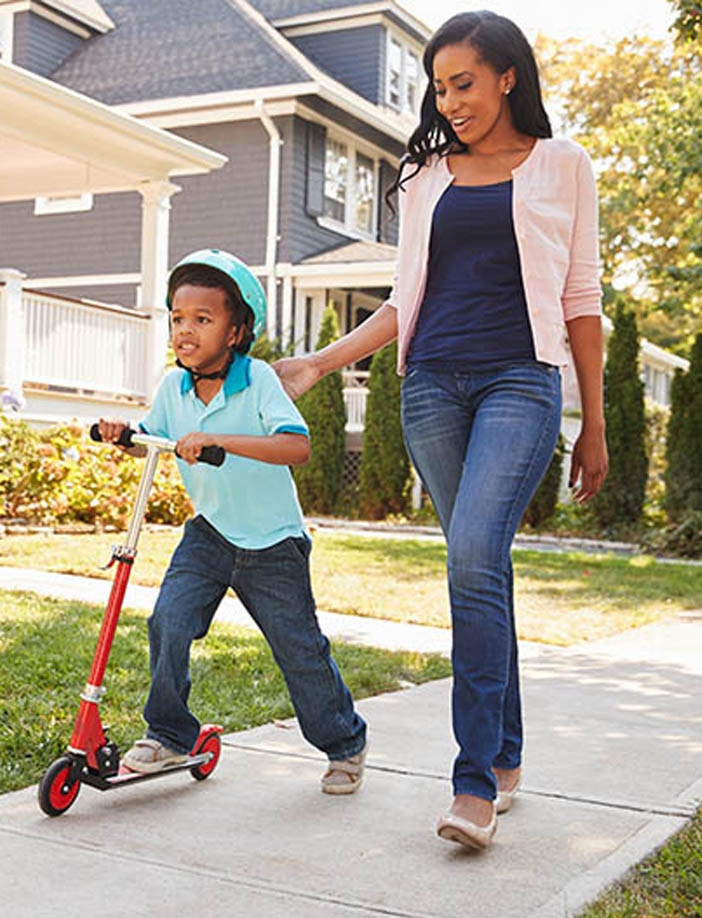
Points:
x=69, y=358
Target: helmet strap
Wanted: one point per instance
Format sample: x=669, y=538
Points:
x=218, y=374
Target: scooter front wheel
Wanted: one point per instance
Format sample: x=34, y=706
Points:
x=211, y=743
x=57, y=790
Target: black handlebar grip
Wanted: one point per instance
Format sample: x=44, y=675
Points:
x=212, y=455
x=125, y=438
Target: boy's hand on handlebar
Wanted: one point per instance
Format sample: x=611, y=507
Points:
x=111, y=430
x=190, y=446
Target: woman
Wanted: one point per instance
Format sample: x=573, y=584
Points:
x=497, y=286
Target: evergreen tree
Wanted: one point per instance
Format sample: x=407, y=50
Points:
x=622, y=496
x=384, y=471
x=683, y=478
x=543, y=504
x=319, y=482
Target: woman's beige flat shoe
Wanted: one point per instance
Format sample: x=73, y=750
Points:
x=505, y=798
x=453, y=828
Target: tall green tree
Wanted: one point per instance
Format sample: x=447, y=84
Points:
x=319, y=482
x=622, y=496
x=689, y=19
x=384, y=473
x=636, y=106
x=683, y=477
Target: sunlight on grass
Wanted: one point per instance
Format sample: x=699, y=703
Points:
x=560, y=598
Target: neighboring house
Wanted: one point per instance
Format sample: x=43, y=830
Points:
x=311, y=101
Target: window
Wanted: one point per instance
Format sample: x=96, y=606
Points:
x=349, y=188
x=412, y=81
x=403, y=76
x=63, y=204
x=365, y=193
x=336, y=161
x=395, y=74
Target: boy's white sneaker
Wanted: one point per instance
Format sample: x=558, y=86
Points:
x=345, y=776
x=148, y=756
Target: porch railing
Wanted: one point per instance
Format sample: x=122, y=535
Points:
x=78, y=345
x=355, y=397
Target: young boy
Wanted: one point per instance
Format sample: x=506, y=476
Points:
x=248, y=532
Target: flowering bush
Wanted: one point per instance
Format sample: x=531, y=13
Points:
x=58, y=476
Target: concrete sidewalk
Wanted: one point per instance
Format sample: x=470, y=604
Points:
x=613, y=766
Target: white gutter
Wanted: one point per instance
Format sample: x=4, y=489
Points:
x=275, y=143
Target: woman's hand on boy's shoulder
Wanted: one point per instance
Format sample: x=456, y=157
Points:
x=190, y=446
x=296, y=374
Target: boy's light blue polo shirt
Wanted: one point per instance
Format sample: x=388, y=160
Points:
x=253, y=504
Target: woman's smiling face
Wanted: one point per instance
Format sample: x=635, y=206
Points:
x=470, y=94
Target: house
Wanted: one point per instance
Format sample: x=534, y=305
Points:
x=310, y=101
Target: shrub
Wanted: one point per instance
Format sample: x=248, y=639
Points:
x=683, y=478
x=319, y=482
x=543, y=504
x=58, y=476
x=384, y=472
x=621, y=498
x=682, y=538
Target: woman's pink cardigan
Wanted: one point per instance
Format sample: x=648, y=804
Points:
x=554, y=205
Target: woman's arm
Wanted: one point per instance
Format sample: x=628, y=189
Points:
x=589, y=463
x=298, y=374
x=277, y=449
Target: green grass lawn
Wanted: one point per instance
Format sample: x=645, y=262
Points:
x=560, y=598
x=666, y=885
x=47, y=646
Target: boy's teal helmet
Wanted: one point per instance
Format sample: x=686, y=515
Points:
x=235, y=270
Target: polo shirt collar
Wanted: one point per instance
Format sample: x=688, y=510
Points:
x=238, y=377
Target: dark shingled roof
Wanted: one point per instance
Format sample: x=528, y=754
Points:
x=282, y=9
x=165, y=48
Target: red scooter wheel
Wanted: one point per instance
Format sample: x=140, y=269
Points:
x=211, y=743
x=56, y=792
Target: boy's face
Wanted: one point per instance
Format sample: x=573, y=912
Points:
x=202, y=330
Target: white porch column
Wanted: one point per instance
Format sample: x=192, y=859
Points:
x=287, y=331
x=12, y=339
x=155, y=216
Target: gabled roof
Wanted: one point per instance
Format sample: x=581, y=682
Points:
x=165, y=48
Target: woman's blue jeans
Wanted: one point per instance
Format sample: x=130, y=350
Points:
x=274, y=585
x=481, y=443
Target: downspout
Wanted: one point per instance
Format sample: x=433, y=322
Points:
x=275, y=144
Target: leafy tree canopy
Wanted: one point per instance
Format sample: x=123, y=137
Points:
x=636, y=106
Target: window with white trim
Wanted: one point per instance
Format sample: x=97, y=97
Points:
x=63, y=204
x=403, y=77
x=350, y=183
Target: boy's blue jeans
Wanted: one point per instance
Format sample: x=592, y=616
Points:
x=274, y=585
x=481, y=444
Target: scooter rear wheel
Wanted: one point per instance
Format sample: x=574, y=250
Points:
x=56, y=792
x=211, y=743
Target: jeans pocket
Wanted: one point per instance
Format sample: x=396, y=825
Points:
x=299, y=547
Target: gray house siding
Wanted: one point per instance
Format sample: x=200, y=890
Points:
x=355, y=57
x=41, y=46
x=104, y=240
x=228, y=207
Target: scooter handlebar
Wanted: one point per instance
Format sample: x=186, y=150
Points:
x=212, y=455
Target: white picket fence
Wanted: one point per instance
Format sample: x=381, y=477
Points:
x=79, y=345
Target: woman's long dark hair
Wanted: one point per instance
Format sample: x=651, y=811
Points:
x=499, y=43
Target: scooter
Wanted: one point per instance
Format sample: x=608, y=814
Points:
x=90, y=758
